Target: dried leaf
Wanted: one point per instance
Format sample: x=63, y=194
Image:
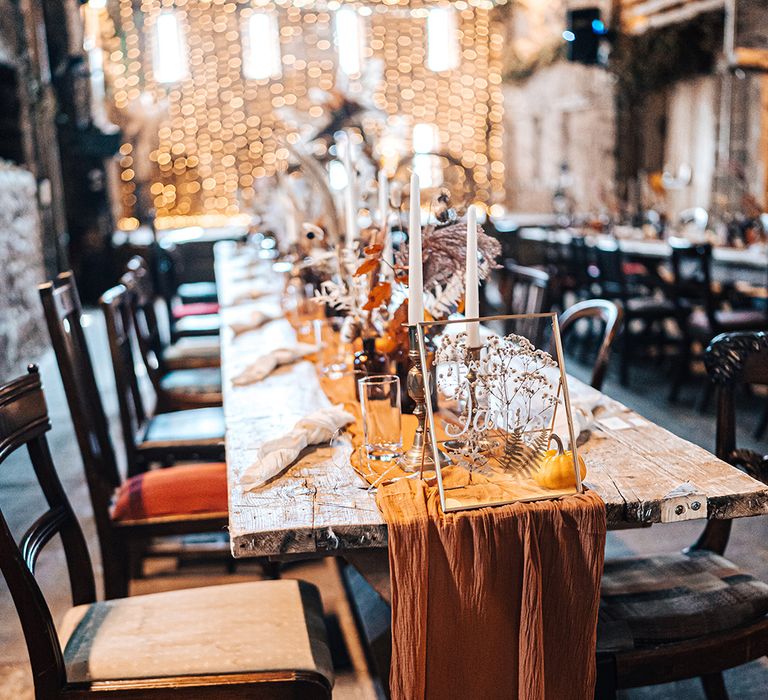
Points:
x=378, y=295
x=374, y=249
x=368, y=265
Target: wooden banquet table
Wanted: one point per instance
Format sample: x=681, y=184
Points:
x=320, y=506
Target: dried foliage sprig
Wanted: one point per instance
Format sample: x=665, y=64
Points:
x=444, y=252
x=509, y=394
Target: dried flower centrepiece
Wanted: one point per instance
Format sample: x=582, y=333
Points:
x=504, y=399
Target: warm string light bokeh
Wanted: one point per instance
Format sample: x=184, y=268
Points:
x=217, y=134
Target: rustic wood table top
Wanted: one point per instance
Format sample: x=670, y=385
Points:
x=644, y=473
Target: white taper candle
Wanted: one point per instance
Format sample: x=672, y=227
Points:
x=344, y=144
x=471, y=282
x=383, y=198
x=388, y=254
x=415, y=274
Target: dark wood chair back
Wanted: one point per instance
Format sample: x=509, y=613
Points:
x=733, y=360
x=610, y=263
x=24, y=423
x=611, y=315
x=525, y=290
x=63, y=315
x=692, y=278
x=141, y=304
x=579, y=262
x=115, y=304
x=166, y=263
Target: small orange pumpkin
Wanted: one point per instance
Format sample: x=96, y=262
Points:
x=556, y=469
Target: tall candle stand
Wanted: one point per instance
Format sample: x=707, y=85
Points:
x=419, y=456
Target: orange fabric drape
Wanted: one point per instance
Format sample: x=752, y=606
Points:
x=493, y=603
x=490, y=603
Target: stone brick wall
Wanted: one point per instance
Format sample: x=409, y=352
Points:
x=563, y=113
x=22, y=329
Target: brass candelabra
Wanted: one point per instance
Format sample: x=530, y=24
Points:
x=419, y=457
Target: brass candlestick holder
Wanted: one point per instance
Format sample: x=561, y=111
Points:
x=419, y=457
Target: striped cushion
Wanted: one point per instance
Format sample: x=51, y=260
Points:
x=184, y=490
x=653, y=600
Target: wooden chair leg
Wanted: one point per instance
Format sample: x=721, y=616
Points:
x=714, y=686
x=117, y=575
x=605, y=685
x=763, y=424
x=681, y=369
x=626, y=355
x=705, y=397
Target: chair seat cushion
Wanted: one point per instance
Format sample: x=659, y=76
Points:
x=261, y=626
x=202, y=380
x=193, y=348
x=183, y=490
x=634, y=269
x=209, y=324
x=198, y=426
x=190, y=292
x=656, y=600
x=729, y=320
x=199, y=308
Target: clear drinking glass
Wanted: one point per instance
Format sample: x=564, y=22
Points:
x=380, y=401
x=333, y=360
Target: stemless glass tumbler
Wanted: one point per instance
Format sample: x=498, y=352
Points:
x=380, y=401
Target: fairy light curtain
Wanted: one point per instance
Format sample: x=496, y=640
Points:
x=215, y=121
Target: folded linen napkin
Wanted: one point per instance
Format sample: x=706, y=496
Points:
x=267, y=364
x=257, y=320
x=278, y=454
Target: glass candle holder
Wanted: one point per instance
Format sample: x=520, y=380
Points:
x=380, y=402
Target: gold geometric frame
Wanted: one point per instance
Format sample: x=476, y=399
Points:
x=506, y=492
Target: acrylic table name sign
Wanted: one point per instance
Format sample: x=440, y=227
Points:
x=505, y=413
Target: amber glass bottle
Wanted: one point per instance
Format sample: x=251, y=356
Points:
x=369, y=362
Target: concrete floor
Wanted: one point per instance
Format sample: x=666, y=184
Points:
x=21, y=500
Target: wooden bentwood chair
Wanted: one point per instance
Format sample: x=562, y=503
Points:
x=610, y=315
x=640, y=304
x=176, y=389
x=672, y=617
x=158, y=434
x=524, y=290
x=264, y=639
x=172, y=501
x=699, y=306
x=185, y=353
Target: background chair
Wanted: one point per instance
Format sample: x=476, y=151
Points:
x=524, y=290
x=177, y=501
x=699, y=309
x=176, y=389
x=610, y=315
x=641, y=306
x=150, y=436
x=163, y=645
x=186, y=353
x=679, y=616
x=192, y=307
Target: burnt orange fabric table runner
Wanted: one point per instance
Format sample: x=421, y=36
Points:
x=491, y=603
